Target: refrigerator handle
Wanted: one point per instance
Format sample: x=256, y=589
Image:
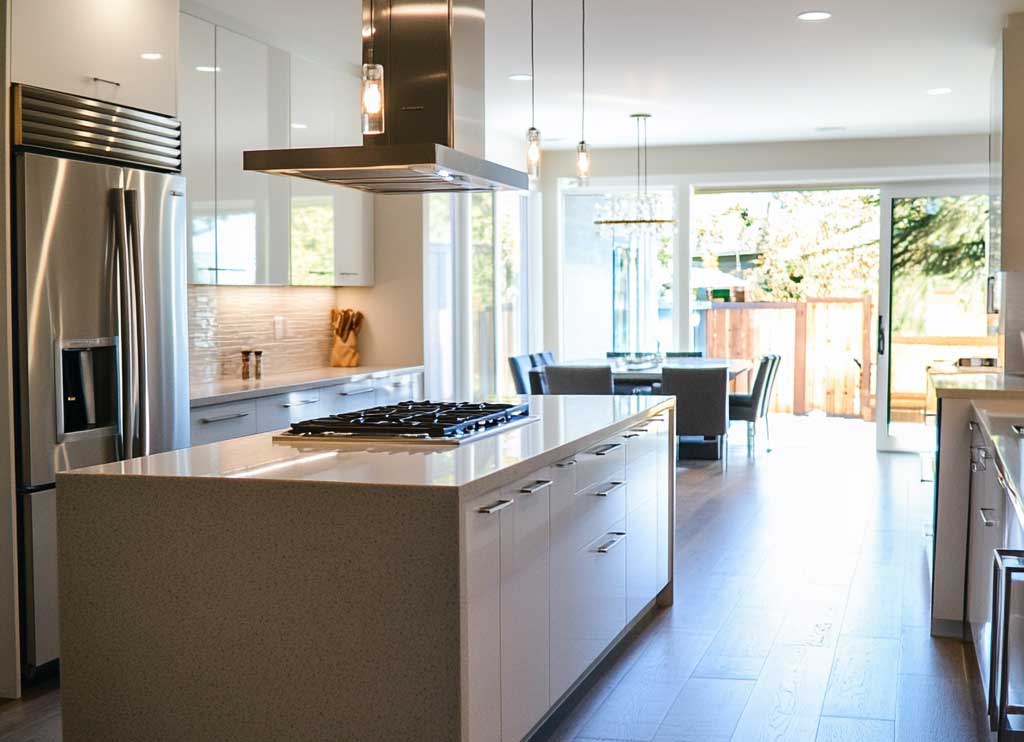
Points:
x=126, y=328
x=131, y=198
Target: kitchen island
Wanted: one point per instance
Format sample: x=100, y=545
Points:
x=256, y=589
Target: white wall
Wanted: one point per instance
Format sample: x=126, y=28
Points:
x=10, y=667
x=392, y=331
x=836, y=162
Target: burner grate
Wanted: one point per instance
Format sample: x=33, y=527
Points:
x=428, y=420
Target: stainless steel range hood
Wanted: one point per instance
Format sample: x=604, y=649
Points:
x=433, y=57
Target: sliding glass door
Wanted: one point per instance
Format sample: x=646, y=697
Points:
x=934, y=272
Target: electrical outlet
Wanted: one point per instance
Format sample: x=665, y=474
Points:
x=280, y=328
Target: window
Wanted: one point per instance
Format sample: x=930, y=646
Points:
x=617, y=280
x=440, y=297
x=493, y=299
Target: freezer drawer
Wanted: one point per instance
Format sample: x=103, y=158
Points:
x=39, y=576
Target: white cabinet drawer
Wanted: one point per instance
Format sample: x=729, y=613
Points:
x=593, y=510
x=393, y=389
x=356, y=395
x=221, y=422
x=599, y=463
x=641, y=557
x=281, y=410
x=645, y=438
x=588, y=605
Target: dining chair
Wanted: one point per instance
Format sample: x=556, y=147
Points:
x=579, y=379
x=538, y=381
x=702, y=403
x=766, y=401
x=544, y=358
x=520, y=367
x=684, y=354
x=750, y=407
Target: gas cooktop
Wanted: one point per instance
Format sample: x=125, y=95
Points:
x=416, y=422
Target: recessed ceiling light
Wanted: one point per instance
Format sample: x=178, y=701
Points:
x=940, y=91
x=521, y=77
x=207, y=68
x=299, y=126
x=151, y=56
x=814, y=15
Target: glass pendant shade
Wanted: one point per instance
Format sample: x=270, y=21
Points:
x=372, y=99
x=583, y=162
x=533, y=153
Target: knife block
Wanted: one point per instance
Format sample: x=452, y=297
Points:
x=344, y=353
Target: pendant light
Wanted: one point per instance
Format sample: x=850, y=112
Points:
x=638, y=214
x=532, y=134
x=372, y=92
x=583, y=149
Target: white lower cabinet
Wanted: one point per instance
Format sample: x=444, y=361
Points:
x=481, y=526
x=356, y=395
x=555, y=567
x=525, y=607
x=221, y=422
x=281, y=410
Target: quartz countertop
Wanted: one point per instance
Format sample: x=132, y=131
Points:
x=978, y=385
x=232, y=390
x=563, y=426
x=996, y=419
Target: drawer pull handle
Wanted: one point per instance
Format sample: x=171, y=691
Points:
x=223, y=418
x=616, y=539
x=605, y=449
x=537, y=486
x=631, y=435
x=566, y=464
x=115, y=83
x=985, y=519
x=300, y=403
x=607, y=489
x=357, y=391
x=496, y=507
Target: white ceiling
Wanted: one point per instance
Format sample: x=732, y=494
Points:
x=708, y=70
x=747, y=70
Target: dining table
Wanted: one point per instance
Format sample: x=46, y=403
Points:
x=644, y=372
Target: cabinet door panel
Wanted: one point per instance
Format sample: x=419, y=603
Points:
x=482, y=610
x=666, y=506
x=252, y=208
x=197, y=109
x=222, y=422
x=641, y=557
x=94, y=48
x=588, y=591
x=525, y=611
x=357, y=395
x=281, y=410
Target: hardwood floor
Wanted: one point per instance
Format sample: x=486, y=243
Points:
x=801, y=609
x=801, y=613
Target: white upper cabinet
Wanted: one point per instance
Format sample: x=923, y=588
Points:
x=331, y=227
x=252, y=208
x=196, y=105
x=122, y=52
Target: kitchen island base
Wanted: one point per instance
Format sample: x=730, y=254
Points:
x=269, y=603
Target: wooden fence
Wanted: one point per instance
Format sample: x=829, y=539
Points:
x=825, y=344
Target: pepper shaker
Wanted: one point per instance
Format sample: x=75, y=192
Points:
x=245, y=363
x=259, y=363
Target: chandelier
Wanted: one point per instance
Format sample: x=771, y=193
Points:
x=637, y=213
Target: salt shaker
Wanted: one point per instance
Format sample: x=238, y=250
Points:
x=259, y=363
x=245, y=363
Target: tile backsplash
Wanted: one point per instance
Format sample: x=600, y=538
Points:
x=291, y=325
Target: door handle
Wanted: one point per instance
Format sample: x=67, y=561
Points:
x=537, y=486
x=881, y=335
x=131, y=202
x=223, y=418
x=496, y=507
x=986, y=521
x=990, y=296
x=126, y=326
x=616, y=538
x=607, y=489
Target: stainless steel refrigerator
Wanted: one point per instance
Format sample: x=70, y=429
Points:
x=101, y=322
